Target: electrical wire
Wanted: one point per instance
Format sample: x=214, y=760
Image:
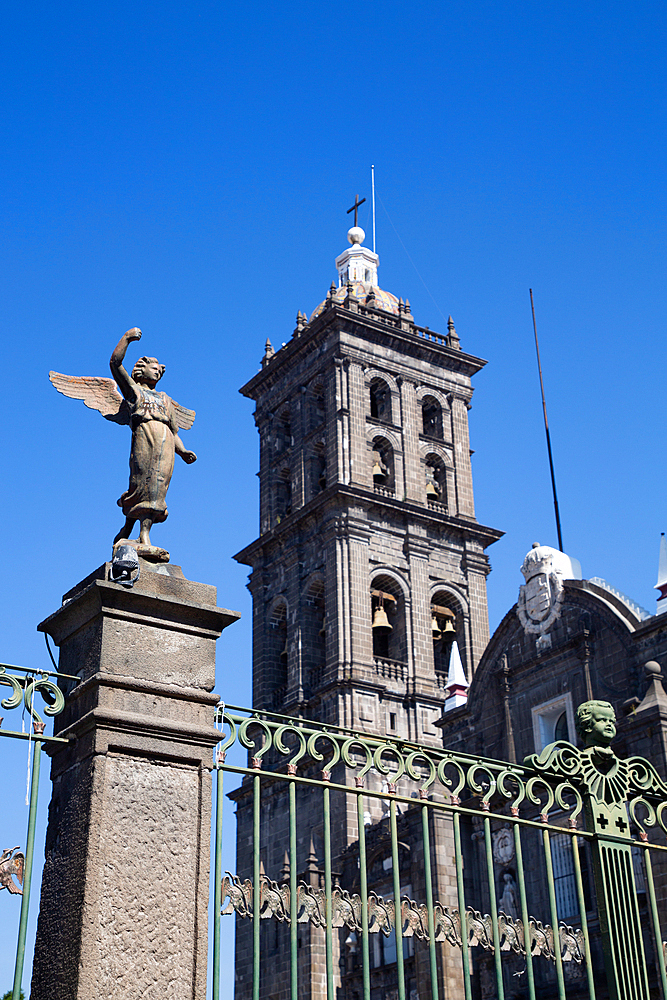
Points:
x=410, y=258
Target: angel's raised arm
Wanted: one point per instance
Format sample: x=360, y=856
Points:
x=125, y=383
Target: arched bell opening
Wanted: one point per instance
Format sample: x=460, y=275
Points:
x=380, y=403
x=432, y=418
x=388, y=620
x=435, y=487
x=446, y=628
x=382, y=458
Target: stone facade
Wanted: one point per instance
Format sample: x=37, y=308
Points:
x=366, y=504
x=523, y=696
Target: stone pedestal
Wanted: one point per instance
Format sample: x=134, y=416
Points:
x=125, y=889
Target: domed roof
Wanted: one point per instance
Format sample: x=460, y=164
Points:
x=361, y=290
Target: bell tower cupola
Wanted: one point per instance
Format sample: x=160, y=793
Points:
x=357, y=263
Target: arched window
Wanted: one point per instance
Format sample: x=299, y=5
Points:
x=436, y=479
x=276, y=653
x=388, y=620
x=316, y=414
x=432, y=417
x=318, y=470
x=382, y=457
x=313, y=636
x=283, y=490
x=561, y=729
x=283, y=430
x=445, y=628
x=380, y=400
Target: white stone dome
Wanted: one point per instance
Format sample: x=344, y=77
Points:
x=542, y=557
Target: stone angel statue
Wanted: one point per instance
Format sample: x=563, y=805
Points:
x=155, y=420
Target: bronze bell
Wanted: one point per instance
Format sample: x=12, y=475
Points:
x=432, y=490
x=435, y=628
x=380, y=620
x=378, y=475
x=449, y=629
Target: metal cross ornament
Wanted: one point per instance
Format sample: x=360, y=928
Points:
x=355, y=208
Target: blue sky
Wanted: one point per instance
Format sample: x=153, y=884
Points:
x=186, y=169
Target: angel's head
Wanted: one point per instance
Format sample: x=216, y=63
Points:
x=596, y=723
x=148, y=371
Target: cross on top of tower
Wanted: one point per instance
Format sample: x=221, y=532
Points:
x=355, y=208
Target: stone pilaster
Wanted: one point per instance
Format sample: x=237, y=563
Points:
x=360, y=464
x=418, y=550
x=464, y=495
x=338, y=436
x=360, y=602
x=126, y=878
x=412, y=467
x=477, y=569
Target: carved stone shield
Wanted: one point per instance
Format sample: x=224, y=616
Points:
x=503, y=845
x=537, y=596
x=541, y=596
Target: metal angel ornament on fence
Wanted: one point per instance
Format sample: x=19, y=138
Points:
x=12, y=862
x=155, y=420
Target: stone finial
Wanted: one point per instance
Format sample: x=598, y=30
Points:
x=408, y=310
x=655, y=694
x=457, y=682
x=356, y=235
x=661, y=585
x=268, y=353
x=452, y=336
x=301, y=323
x=350, y=300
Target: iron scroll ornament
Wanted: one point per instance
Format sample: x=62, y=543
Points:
x=24, y=689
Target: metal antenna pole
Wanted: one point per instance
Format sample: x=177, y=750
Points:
x=373, y=200
x=546, y=427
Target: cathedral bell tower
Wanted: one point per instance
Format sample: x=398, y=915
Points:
x=370, y=562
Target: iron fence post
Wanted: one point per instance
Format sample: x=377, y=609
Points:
x=29, y=851
x=217, y=892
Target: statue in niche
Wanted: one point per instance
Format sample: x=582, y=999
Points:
x=509, y=901
x=155, y=420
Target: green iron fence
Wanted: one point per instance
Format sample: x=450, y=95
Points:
x=369, y=867
x=16, y=866
x=376, y=867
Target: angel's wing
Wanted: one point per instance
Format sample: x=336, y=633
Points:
x=184, y=418
x=97, y=393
